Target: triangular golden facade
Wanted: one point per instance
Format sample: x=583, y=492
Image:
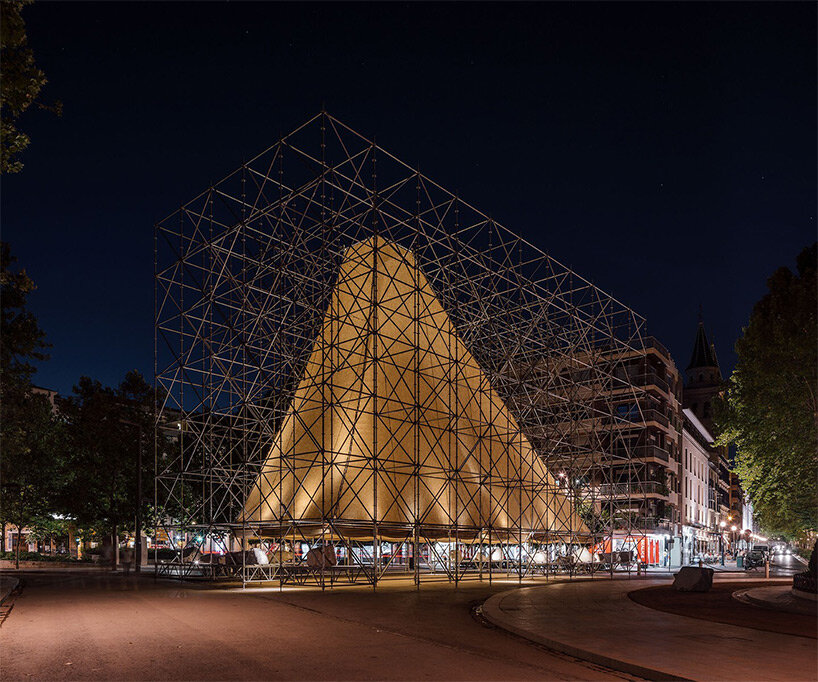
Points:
x=394, y=426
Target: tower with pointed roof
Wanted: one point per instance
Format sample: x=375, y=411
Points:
x=703, y=379
x=703, y=382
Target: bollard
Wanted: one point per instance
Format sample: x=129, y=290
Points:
x=767, y=568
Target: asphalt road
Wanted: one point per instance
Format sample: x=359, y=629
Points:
x=785, y=565
x=73, y=626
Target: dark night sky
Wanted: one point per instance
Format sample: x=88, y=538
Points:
x=666, y=152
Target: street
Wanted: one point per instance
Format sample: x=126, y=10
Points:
x=781, y=566
x=102, y=626
x=785, y=565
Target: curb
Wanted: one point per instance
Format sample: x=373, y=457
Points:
x=7, y=586
x=746, y=597
x=494, y=614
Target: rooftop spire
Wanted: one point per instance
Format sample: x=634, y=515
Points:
x=704, y=354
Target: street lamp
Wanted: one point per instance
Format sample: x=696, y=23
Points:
x=722, y=525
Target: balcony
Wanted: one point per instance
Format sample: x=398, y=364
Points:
x=642, y=452
x=634, y=416
x=644, y=523
x=655, y=416
x=635, y=489
x=651, y=342
x=648, y=379
x=654, y=523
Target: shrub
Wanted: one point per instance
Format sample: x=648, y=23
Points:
x=36, y=556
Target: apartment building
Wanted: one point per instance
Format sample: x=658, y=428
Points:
x=699, y=476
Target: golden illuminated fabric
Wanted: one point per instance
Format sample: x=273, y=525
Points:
x=443, y=453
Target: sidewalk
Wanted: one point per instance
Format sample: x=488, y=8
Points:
x=596, y=621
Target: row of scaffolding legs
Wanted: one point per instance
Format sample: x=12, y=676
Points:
x=333, y=559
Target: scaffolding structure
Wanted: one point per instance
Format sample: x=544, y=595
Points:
x=363, y=376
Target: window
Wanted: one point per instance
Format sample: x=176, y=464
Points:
x=629, y=411
x=707, y=409
x=695, y=408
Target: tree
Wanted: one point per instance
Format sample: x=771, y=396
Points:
x=103, y=431
x=30, y=472
x=28, y=430
x=23, y=340
x=20, y=86
x=770, y=411
x=48, y=527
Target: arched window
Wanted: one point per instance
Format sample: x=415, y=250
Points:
x=707, y=409
x=701, y=378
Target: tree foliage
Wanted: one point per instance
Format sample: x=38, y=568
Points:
x=20, y=85
x=102, y=436
x=23, y=340
x=770, y=411
x=29, y=432
x=29, y=476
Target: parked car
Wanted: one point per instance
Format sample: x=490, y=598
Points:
x=754, y=559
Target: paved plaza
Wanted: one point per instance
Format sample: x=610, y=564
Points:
x=601, y=622
x=73, y=625
x=87, y=626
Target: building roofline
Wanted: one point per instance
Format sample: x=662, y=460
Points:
x=701, y=428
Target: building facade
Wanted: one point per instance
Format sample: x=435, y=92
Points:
x=699, y=476
x=642, y=488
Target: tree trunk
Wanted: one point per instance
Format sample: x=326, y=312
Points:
x=73, y=547
x=17, y=553
x=20, y=520
x=3, y=539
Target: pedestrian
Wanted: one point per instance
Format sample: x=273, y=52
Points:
x=126, y=556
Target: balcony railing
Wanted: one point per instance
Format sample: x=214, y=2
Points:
x=643, y=452
x=635, y=489
x=644, y=523
x=648, y=378
x=656, y=416
x=654, y=523
x=651, y=342
x=636, y=417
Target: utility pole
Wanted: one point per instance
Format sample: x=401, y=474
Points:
x=138, y=567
